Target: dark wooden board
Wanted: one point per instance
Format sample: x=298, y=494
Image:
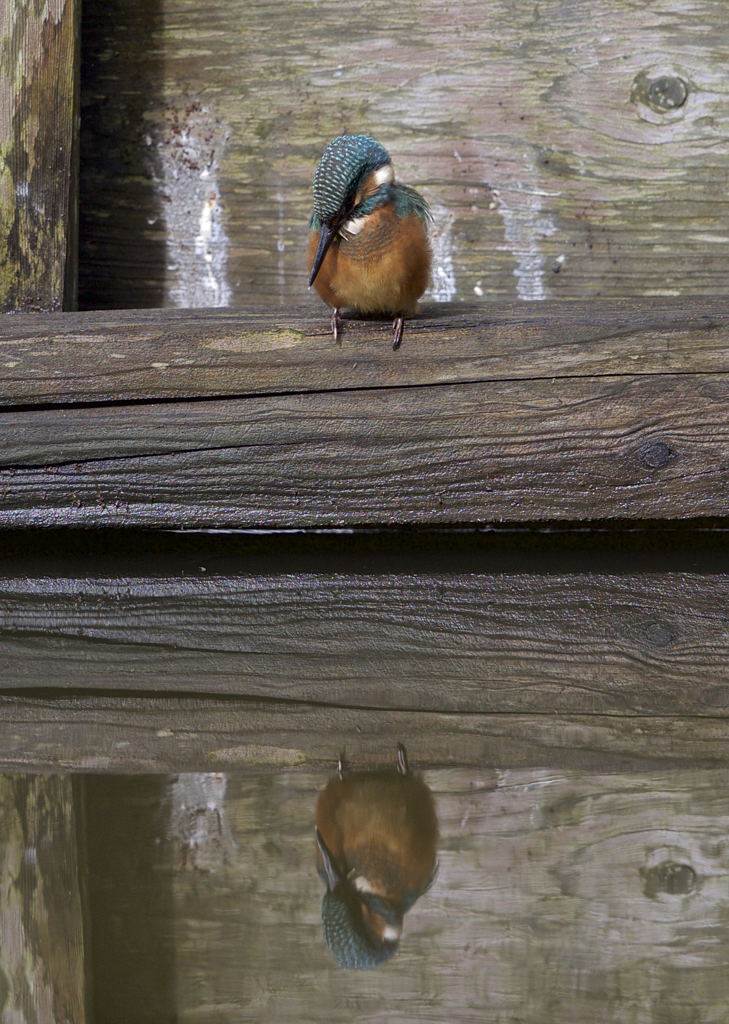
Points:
x=39, y=155
x=41, y=919
x=141, y=355
x=572, y=413
x=578, y=449
x=140, y=735
x=646, y=644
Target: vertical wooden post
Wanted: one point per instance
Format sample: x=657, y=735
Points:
x=41, y=924
x=39, y=62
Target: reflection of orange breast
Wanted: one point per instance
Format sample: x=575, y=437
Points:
x=384, y=268
x=382, y=826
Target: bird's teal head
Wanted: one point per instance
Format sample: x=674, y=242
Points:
x=347, y=162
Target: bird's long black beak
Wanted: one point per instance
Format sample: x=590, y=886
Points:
x=326, y=237
x=332, y=874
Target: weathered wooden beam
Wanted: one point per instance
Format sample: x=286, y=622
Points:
x=39, y=51
x=538, y=431
x=127, y=734
x=41, y=923
x=644, y=644
x=140, y=355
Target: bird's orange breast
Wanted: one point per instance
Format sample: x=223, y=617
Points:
x=384, y=268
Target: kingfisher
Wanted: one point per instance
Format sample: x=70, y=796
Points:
x=369, y=247
x=376, y=838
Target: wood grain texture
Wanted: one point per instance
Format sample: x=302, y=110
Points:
x=142, y=735
x=41, y=925
x=141, y=355
x=576, y=449
x=39, y=155
x=649, y=644
x=560, y=896
x=538, y=135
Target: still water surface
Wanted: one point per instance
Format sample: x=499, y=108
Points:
x=560, y=896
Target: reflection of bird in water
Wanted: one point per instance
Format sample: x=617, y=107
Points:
x=376, y=835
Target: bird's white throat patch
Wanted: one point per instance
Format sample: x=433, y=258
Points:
x=353, y=226
x=385, y=175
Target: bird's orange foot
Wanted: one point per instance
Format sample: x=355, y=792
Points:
x=397, y=326
x=335, y=326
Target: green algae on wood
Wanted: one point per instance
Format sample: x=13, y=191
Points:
x=38, y=155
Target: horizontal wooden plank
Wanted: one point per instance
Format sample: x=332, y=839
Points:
x=564, y=449
x=652, y=644
x=141, y=355
x=138, y=735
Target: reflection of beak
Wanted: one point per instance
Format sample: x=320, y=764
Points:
x=326, y=237
x=332, y=874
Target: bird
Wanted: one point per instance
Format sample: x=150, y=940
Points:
x=368, y=245
x=376, y=843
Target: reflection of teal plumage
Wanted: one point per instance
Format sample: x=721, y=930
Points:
x=345, y=935
x=376, y=837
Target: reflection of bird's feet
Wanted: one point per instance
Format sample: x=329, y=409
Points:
x=397, y=326
x=402, y=759
x=340, y=766
x=335, y=326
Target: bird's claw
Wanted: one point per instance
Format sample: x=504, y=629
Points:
x=397, y=326
x=335, y=326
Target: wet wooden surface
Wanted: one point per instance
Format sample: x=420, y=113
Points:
x=628, y=644
x=42, y=967
x=560, y=895
x=551, y=416
x=142, y=355
x=567, y=150
x=132, y=734
x=39, y=155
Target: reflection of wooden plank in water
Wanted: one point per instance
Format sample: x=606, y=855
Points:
x=156, y=734
x=41, y=922
x=646, y=644
x=560, y=897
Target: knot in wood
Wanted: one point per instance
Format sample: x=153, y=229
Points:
x=656, y=455
x=671, y=878
x=667, y=93
x=658, y=634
